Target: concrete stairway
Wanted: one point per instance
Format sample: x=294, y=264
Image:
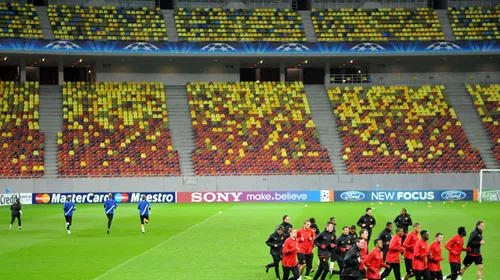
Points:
x=44, y=22
x=326, y=125
x=170, y=23
x=472, y=124
x=179, y=119
x=445, y=25
x=50, y=124
x=308, y=26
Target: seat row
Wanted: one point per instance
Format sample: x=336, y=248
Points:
x=232, y=25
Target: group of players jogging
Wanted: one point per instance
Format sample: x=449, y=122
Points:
x=294, y=248
x=69, y=207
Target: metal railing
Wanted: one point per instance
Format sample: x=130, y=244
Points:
x=415, y=78
x=200, y=3
x=367, y=4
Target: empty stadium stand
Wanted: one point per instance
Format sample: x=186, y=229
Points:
x=399, y=129
x=19, y=21
x=21, y=143
x=254, y=128
x=115, y=129
x=384, y=24
x=107, y=23
x=475, y=23
x=232, y=25
x=487, y=101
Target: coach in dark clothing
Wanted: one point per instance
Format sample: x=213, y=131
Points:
x=352, y=261
x=367, y=221
x=16, y=213
x=403, y=220
x=275, y=243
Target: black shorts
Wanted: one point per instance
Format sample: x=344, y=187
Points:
x=69, y=219
x=436, y=275
x=302, y=258
x=144, y=217
x=409, y=265
x=455, y=268
x=362, y=273
x=473, y=260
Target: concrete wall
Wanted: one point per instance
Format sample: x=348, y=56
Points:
x=171, y=71
x=256, y=183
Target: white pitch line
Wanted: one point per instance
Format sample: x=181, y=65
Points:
x=153, y=248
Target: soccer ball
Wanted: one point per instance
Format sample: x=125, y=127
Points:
x=141, y=47
x=292, y=47
x=218, y=47
x=64, y=45
x=443, y=46
x=367, y=47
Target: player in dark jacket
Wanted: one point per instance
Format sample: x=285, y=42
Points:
x=403, y=220
x=352, y=261
x=343, y=244
x=474, y=250
x=314, y=226
x=386, y=236
x=16, y=213
x=286, y=226
x=367, y=221
x=324, y=242
x=275, y=243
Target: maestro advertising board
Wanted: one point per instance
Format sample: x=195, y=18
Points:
x=100, y=197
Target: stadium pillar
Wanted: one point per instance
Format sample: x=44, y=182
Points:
x=327, y=73
x=60, y=71
x=282, y=72
x=22, y=71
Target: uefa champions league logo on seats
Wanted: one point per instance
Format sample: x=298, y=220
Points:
x=62, y=45
x=141, y=47
x=443, y=46
x=367, y=47
x=292, y=47
x=218, y=47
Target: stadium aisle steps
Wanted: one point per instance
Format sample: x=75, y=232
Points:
x=180, y=126
x=50, y=124
x=308, y=26
x=326, y=125
x=168, y=15
x=45, y=22
x=466, y=112
x=445, y=25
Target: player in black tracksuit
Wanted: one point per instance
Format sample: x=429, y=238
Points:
x=16, y=213
x=386, y=236
x=275, y=242
x=343, y=245
x=474, y=250
x=324, y=242
x=403, y=220
x=368, y=222
x=286, y=226
x=352, y=261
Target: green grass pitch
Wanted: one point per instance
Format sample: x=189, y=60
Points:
x=195, y=241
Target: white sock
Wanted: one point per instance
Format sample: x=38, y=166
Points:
x=142, y=226
x=331, y=265
x=69, y=232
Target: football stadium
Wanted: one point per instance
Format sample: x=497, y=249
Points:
x=250, y=139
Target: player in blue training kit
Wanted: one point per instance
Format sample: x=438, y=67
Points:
x=110, y=206
x=144, y=210
x=69, y=207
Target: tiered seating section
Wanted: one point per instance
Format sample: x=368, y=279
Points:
x=107, y=23
x=254, y=128
x=21, y=143
x=475, y=23
x=399, y=129
x=232, y=25
x=115, y=129
x=487, y=101
x=383, y=24
x=19, y=21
